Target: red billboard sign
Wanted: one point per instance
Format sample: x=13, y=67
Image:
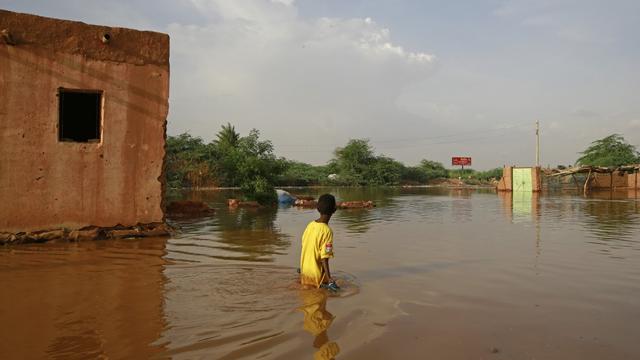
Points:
x=464, y=161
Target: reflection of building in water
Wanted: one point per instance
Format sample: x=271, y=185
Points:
x=521, y=203
x=525, y=205
x=628, y=194
x=317, y=321
x=612, y=222
x=521, y=206
x=86, y=301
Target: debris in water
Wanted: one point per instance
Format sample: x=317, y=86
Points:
x=188, y=208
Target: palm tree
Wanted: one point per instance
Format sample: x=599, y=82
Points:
x=227, y=136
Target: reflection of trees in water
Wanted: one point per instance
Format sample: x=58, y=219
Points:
x=461, y=205
x=246, y=234
x=614, y=223
x=359, y=221
x=215, y=198
x=397, y=204
x=251, y=232
x=356, y=221
x=382, y=196
x=461, y=210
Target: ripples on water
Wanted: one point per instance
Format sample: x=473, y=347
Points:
x=551, y=276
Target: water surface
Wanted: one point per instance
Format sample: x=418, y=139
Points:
x=429, y=273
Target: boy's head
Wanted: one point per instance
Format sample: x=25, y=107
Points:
x=326, y=204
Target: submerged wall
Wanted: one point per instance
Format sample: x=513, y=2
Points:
x=607, y=181
x=633, y=181
x=46, y=183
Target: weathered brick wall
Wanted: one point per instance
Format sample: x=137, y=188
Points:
x=45, y=183
x=633, y=181
x=505, y=183
x=606, y=181
x=536, y=178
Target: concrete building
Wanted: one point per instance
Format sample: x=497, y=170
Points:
x=83, y=113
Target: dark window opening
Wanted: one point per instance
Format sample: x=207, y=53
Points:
x=79, y=115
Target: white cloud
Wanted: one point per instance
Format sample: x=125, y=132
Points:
x=585, y=113
x=284, y=2
x=414, y=103
x=311, y=82
x=583, y=22
x=256, y=63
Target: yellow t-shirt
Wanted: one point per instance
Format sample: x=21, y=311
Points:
x=317, y=244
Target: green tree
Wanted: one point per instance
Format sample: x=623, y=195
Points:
x=353, y=160
x=227, y=137
x=489, y=174
x=230, y=160
x=612, y=150
x=302, y=174
x=257, y=168
x=414, y=175
x=187, y=162
x=433, y=169
x=384, y=171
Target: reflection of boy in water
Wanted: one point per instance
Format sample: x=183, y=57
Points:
x=317, y=321
x=317, y=247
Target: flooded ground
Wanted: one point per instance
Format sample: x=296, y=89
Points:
x=429, y=273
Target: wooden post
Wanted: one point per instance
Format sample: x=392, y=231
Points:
x=586, y=183
x=537, y=143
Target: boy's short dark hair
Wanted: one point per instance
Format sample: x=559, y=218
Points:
x=326, y=204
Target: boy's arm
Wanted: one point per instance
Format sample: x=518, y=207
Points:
x=325, y=267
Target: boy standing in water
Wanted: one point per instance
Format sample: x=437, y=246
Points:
x=317, y=247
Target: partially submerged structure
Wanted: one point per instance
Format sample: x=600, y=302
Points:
x=82, y=129
x=602, y=178
x=583, y=178
x=525, y=179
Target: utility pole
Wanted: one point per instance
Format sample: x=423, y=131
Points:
x=537, y=143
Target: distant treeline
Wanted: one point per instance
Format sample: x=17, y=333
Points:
x=248, y=162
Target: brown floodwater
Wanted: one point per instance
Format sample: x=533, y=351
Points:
x=428, y=274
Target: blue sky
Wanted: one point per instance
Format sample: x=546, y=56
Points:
x=420, y=79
